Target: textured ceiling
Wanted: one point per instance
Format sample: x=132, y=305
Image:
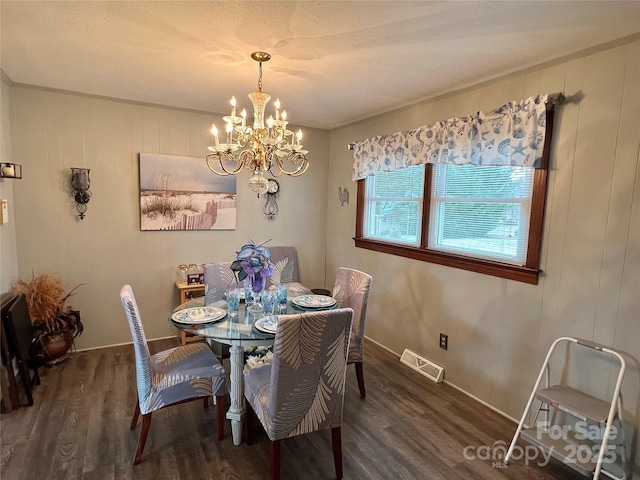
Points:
x=332, y=62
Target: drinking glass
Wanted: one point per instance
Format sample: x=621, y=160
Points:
x=233, y=301
x=248, y=293
x=282, y=291
x=268, y=302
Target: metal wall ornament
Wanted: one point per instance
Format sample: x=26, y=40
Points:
x=81, y=194
x=270, y=208
x=343, y=196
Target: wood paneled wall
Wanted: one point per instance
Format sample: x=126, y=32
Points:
x=53, y=131
x=500, y=330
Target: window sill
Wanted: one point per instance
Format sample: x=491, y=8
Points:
x=496, y=269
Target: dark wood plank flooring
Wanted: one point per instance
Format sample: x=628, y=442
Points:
x=406, y=428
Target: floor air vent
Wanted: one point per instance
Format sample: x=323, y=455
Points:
x=425, y=367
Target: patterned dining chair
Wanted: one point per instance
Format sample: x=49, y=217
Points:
x=285, y=262
x=172, y=376
x=302, y=390
x=351, y=289
x=218, y=277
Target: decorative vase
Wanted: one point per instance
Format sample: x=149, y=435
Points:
x=56, y=345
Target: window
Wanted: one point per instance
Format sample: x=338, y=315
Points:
x=394, y=205
x=481, y=212
x=483, y=219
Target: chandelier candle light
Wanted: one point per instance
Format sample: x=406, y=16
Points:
x=271, y=148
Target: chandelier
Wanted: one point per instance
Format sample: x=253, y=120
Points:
x=271, y=148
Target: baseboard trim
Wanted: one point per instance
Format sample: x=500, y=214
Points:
x=382, y=346
x=479, y=400
x=120, y=344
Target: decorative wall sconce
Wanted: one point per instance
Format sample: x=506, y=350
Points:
x=270, y=208
x=81, y=193
x=10, y=170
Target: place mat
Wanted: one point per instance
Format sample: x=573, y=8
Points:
x=198, y=315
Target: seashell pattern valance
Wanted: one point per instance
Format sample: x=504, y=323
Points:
x=512, y=135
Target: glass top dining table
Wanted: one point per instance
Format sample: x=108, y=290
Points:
x=238, y=331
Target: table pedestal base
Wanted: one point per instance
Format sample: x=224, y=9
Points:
x=237, y=409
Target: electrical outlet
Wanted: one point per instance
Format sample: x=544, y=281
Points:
x=444, y=341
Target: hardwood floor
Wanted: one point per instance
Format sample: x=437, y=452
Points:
x=406, y=428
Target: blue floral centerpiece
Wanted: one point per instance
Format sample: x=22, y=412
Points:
x=253, y=261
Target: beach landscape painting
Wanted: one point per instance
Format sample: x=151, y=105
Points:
x=181, y=193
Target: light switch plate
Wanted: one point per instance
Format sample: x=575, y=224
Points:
x=4, y=213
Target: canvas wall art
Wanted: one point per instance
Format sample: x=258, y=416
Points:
x=181, y=193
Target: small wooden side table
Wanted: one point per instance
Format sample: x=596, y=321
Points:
x=187, y=292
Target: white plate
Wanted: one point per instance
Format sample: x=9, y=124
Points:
x=197, y=315
x=267, y=324
x=314, y=301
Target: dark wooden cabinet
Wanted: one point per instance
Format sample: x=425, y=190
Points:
x=19, y=367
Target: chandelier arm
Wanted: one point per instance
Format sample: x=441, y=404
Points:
x=211, y=156
x=242, y=140
x=291, y=157
x=239, y=164
x=247, y=158
x=224, y=172
x=302, y=170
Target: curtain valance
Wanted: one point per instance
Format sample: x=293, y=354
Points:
x=512, y=135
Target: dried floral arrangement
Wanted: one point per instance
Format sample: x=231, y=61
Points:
x=46, y=295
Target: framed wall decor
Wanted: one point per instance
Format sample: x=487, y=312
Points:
x=180, y=193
